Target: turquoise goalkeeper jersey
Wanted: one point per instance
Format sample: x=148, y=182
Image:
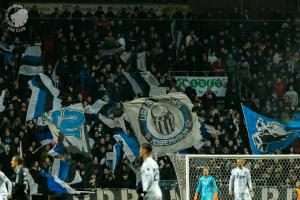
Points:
x=207, y=185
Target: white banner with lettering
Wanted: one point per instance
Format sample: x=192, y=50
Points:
x=200, y=83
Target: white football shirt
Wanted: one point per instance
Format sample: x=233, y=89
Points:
x=150, y=178
x=4, y=191
x=240, y=180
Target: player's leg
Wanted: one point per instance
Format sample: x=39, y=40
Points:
x=3, y=197
x=247, y=196
x=238, y=196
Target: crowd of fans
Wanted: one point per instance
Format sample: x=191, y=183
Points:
x=262, y=56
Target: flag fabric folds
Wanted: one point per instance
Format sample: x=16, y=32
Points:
x=65, y=172
x=117, y=122
x=269, y=135
x=69, y=123
x=134, y=83
x=176, y=34
x=31, y=61
x=130, y=145
x=44, y=97
x=57, y=150
x=95, y=108
x=144, y=83
x=116, y=155
x=166, y=122
x=43, y=183
x=44, y=137
x=2, y=107
x=141, y=61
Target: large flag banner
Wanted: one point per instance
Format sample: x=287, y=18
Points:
x=269, y=135
x=43, y=183
x=65, y=172
x=166, y=122
x=130, y=145
x=69, y=122
x=31, y=61
x=44, y=97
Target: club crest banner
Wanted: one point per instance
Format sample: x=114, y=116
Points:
x=166, y=122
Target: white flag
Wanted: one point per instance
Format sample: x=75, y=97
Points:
x=95, y=108
x=166, y=122
x=141, y=61
x=2, y=107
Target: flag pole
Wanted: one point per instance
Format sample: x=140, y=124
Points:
x=21, y=151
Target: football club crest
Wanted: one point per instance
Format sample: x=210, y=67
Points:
x=164, y=122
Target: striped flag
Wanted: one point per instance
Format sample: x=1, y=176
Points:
x=31, y=61
x=43, y=183
x=116, y=155
x=95, y=108
x=176, y=35
x=130, y=145
x=45, y=137
x=57, y=150
x=65, y=172
x=141, y=82
x=44, y=97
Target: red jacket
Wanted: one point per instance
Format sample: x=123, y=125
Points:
x=280, y=89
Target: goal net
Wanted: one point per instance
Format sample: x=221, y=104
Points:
x=274, y=177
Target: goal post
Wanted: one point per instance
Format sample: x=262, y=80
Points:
x=273, y=176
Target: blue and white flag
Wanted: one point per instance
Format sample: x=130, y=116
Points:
x=95, y=108
x=130, y=145
x=166, y=122
x=176, y=34
x=65, y=172
x=269, y=135
x=43, y=183
x=57, y=150
x=69, y=122
x=44, y=97
x=116, y=155
x=144, y=83
x=31, y=61
x=44, y=137
x=207, y=132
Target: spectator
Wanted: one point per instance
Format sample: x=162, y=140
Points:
x=291, y=97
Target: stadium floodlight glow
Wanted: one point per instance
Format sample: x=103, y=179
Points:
x=273, y=176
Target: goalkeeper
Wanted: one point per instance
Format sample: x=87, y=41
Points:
x=208, y=187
